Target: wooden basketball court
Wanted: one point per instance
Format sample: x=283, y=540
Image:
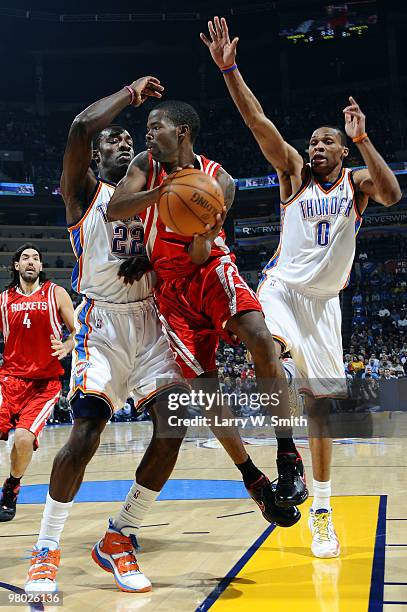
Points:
x=206, y=546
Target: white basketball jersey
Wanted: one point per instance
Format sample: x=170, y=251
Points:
x=317, y=237
x=100, y=247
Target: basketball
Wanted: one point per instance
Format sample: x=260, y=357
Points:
x=189, y=201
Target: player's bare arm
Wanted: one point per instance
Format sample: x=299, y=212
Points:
x=78, y=181
x=130, y=197
x=285, y=159
x=200, y=247
x=377, y=181
x=65, y=308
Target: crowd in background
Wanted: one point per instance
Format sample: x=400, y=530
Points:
x=223, y=137
x=377, y=299
x=376, y=347
x=378, y=342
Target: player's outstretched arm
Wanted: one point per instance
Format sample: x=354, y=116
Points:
x=377, y=181
x=78, y=180
x=279, y=153
x=130, y=197
x=65, y=308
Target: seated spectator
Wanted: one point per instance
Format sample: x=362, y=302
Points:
x=368, y=373
x=383, y=312
x=358, y=365
x=402, y=322
x=374, y=364
x=357, y=299
x=395, y=315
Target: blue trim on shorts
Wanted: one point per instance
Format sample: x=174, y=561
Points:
x=80, y=342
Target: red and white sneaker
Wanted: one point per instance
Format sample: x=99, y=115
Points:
x=115, y=553
x=41, y=577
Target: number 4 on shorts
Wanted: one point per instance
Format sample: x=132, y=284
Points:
x=26, y=320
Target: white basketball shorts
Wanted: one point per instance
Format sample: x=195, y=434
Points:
x=121, y=351
x=310, y=328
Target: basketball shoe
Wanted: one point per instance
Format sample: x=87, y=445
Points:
x=263, y=493
x=8, y=501
x=115, y=553
x=41, y=577
x=291, y=487
x=325, y=543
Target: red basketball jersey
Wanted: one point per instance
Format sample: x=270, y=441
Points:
x=27, y=322
x=168, y=251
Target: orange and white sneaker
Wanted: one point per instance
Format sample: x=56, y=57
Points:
x=41, y=577
x=115, y=553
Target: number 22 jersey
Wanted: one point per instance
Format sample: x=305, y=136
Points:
x=27, y=322
x=101, y=246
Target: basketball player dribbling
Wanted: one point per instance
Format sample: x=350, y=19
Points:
x=321, y=211
x=120, y=347
x=199, y=292
x=109, y=362
x=32, y=312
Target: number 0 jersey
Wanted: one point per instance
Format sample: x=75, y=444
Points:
x=317, y=237
x=100, y=247
x=27, y=322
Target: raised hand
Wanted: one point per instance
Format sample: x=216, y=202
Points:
x=146, y=87
x=222, y=50
x=355, y=120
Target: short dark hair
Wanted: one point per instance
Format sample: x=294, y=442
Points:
x=15, y=276
x=344, y=138
x=112, y=129
x=181, y=113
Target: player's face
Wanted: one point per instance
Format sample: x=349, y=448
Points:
x=115, y=153
x=326, y=150
x=163, y=138
x=29, y=265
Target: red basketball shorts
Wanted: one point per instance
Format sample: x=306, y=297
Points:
x=26, y=403
x=194, y=311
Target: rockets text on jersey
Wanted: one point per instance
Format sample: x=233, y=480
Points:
x=27, y=322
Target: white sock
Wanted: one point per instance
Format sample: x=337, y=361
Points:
x=53, y=522
x=136, y=505
x=322, y=495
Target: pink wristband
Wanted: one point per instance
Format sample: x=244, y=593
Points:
x=131, y=92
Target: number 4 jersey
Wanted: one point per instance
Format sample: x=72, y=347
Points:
x=27, y=322
x=100, y=248
x=317, y=237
